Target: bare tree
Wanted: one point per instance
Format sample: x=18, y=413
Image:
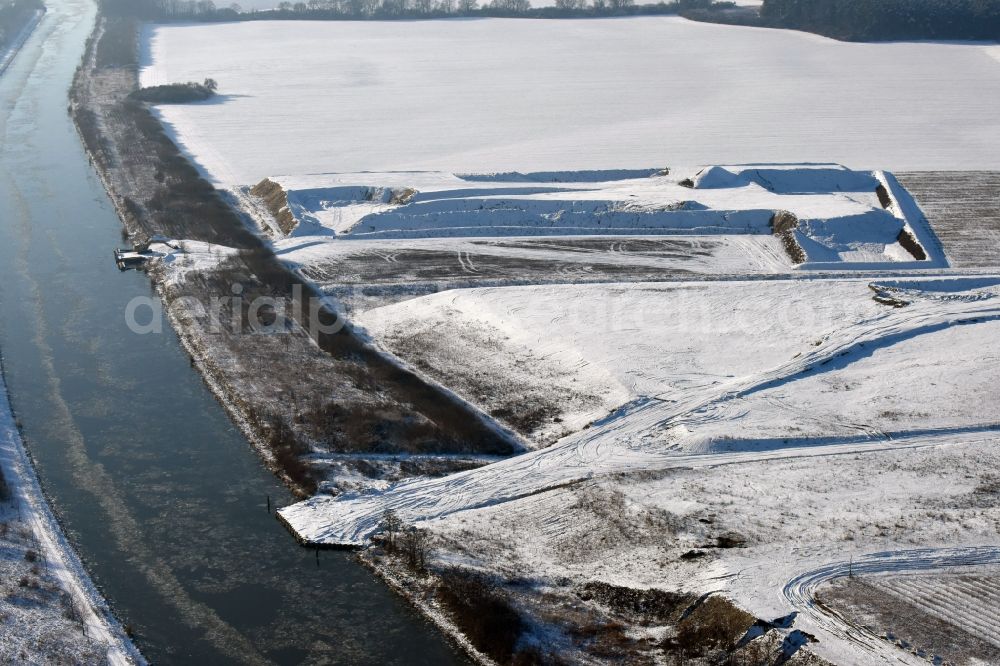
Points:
x=515, y=6
x=413, y=543
x=391, y=524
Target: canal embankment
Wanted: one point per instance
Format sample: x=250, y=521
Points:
x=302, y=394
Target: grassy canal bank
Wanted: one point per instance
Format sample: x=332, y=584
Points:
x=304, y=395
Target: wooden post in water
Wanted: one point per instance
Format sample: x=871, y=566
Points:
x=269, y=504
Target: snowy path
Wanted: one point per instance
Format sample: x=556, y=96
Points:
x=869, y=648
x=710, y=255
x=634, y=436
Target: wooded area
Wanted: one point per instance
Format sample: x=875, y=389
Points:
x=864, y=20
x=206, y=10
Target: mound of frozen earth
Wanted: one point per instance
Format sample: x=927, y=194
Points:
x=804, y=368
x=826, y=213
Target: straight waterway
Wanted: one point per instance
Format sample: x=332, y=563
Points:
x=161, y=495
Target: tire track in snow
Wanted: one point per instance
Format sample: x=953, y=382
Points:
x=627, y=438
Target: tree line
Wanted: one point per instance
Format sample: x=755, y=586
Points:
x=843, y=19
x=888, y=19
x=206, y=10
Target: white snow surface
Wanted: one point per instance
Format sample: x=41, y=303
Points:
x=62, y=563
x=841, y=219
x=767, y=405
x=443, y=204
x=730, y=254
x=798, y=412
x=848, y=331
x=181, y=257
x=630, y=340
x=300, y=97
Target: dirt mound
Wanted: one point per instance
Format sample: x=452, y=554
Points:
x=883, y=196
x=783, y=225
x=911, y=244
x=783, y=221
x=276, y=200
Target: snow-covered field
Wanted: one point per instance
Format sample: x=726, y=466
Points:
x=614, y=343
x=838, y=216
x=714, y=403
x=535, y=95
x=50, y=611
x=846, y=356
x=802, y=415
x=372, y=239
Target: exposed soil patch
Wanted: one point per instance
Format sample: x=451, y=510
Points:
x=883, y=196
x=783, y=225
x=792, y=247
x=783, y=221
x=526, y=394
x=276, y=200
x=904, y=624
x=418, y=265
x=482, y=610
x=964, y=211
x=911, y=244
x=523, y=621
x=367, y=279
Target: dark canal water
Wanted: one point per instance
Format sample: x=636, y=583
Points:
x=161, y=495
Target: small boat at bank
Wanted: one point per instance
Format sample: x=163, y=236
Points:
x=134, y=258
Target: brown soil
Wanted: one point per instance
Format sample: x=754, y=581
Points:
x=783, y=221
x=964, y=212
x=883, y=196
x=792, y=247
x=276, y=200
x=885, y=615
x=911, y=244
